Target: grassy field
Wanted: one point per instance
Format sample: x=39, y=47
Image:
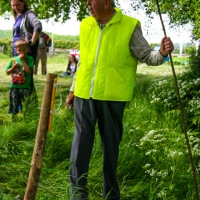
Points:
x=153, y=161
x=57, y=65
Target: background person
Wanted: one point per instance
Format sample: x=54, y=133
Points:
x=111, y=44
x=20, y=68
x=44, y=43
x=26, y=26
x=71, y=66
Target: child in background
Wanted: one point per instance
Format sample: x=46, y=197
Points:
x=19, y=67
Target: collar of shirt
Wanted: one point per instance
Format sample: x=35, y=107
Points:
x=103, y=25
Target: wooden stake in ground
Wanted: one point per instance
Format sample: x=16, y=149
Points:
x=42, y=130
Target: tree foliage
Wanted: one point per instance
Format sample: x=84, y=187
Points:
x=180, y=12
x=59, y=10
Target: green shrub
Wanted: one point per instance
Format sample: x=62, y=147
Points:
x=194, y=62
x=7, y=43
x=66, y=44
x=163, y=95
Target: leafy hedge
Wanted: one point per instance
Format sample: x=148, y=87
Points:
x=66, y=44
x=161, y=92
x=7, y=43
x=7, y=46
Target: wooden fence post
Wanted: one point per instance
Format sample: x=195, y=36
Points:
x=40, y=141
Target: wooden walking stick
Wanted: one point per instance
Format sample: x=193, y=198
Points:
x=181, y=111
x=42, y=130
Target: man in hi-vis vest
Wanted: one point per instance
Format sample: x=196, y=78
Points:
x=111, y=44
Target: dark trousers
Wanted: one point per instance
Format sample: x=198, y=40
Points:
x=42, y=54
x=17, y=96
x=33, y=52
x=108, y=115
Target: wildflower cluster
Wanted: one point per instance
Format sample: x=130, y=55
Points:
x=163, y=156
x=162, y=94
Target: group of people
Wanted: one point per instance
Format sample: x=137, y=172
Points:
x=26, y=31
x=29, y=42
x=111, y=44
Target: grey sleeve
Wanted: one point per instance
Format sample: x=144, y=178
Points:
x=141, y=49
x=73, y=83
x=33, y=24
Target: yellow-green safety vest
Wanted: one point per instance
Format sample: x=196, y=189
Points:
x=107, y=68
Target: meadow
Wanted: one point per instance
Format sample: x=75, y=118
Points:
x=153, y=162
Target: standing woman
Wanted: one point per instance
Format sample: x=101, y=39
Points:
x=26, y=26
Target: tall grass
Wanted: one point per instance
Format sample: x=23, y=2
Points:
x=153, y=160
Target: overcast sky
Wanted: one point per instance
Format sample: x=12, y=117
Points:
x=152, y=30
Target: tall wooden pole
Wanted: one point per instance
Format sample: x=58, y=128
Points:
x=40, y=141
x=181, y=111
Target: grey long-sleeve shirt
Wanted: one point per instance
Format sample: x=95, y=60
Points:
x=141, y=49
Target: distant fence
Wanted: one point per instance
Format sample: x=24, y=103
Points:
x=56, y=51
